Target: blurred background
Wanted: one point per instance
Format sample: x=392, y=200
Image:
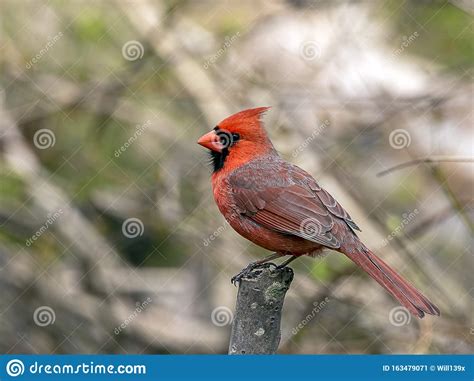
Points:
x=110, y=241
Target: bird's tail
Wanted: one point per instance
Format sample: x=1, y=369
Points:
x=407, y=295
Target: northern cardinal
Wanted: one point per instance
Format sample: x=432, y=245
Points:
x=280, y=207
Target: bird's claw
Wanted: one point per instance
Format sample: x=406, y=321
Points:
x=246, y=271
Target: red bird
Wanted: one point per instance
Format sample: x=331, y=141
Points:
x=280, y=207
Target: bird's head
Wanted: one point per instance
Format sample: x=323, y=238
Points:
x=237, y=139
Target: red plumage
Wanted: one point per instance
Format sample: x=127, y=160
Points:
x=280, y=207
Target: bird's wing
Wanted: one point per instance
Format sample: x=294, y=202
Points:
x=290, y=201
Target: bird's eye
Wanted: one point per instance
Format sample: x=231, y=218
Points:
x=235, y=137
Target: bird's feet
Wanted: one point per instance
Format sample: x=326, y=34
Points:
x=246, y=271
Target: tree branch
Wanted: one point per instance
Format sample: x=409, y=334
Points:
x=256, y=326
x=427, y=160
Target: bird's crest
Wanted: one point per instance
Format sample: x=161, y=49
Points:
x=245, y=119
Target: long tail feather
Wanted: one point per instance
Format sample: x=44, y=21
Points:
x=404, y=292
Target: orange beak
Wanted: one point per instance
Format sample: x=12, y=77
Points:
x=211, y=141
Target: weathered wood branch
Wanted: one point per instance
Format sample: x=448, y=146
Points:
x=256, y=325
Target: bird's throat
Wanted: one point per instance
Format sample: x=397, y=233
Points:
x=218, y=159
